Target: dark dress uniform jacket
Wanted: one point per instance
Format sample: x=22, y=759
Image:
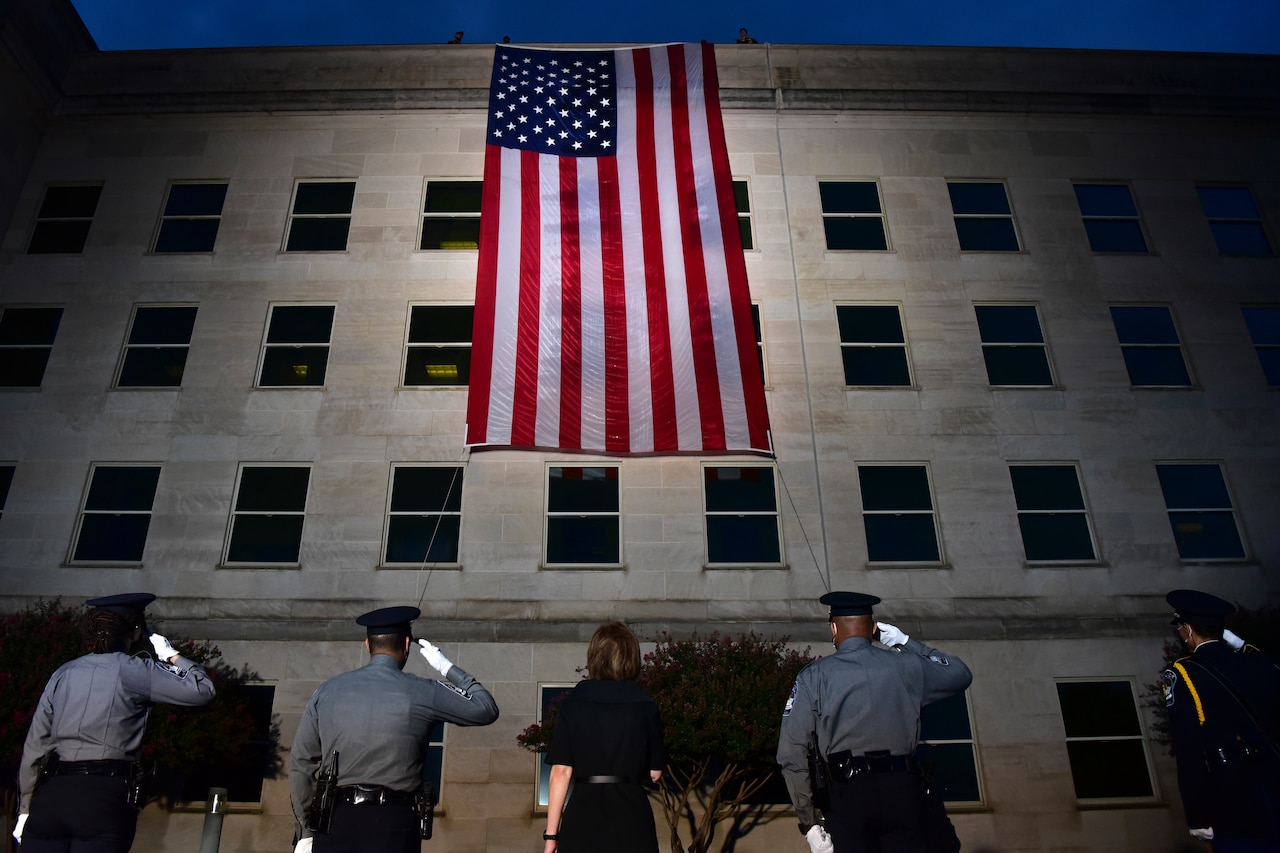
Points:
x=864, y=699
x=378, y=718
x=1228, y=773
x=608, y=728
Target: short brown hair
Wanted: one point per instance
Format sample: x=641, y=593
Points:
x=613, y=653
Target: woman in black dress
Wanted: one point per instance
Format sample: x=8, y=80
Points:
x=608, y=741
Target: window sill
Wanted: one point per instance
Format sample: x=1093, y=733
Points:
x=290, y=388
x=1066, y=564
x=130, y=388
x=871, y=566
x=582, y=567
x=1165, y=388
x=413, y=567
x=432, y=387
x=1220, y=561
x=259, y=566
x=882, y=388
x=101, y=564
x=751, y=567
x=1112, y=805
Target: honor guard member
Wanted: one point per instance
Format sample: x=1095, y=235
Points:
x=78, y=784
x=376, y=721
x=863, y=704
x=1224, y=714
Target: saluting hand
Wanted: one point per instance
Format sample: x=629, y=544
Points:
x=435, y=657
x=164, y=649
x=891, y=636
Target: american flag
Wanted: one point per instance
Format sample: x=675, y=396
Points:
x=612, y=310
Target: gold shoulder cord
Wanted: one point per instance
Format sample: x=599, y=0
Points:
x=1195, y=695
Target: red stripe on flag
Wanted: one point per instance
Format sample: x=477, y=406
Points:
x=617, y=424
x=570, y=308
x=525, y=406
x=486, y=284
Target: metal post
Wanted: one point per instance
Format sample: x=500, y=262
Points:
x=214, y=808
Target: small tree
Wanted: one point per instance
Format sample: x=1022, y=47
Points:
x=721, y=703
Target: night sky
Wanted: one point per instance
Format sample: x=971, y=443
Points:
x=1236, y=26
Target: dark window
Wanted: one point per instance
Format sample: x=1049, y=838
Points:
x=1105, y=745
x=439, y=347
x=742, y=515
x=433, y=761
x=1013, y=345
x=872, y=345
x=321, y=217
x=758, y=327
x=266, y=521
x=1151, y=348
x=549, y=695
x=451, y=215
x=116, y=514
x=1051, y=513
x=742, y=201
x=425, y=517
x=897, y=512
x=6, y=480
x=583, y=517
x=852, y=217
x=1110, y=218
x=155, y=354
x=191, y=216
x=984, y=220
x=241, y=771
x=296, y=350
x=1200, y=512
x=62, y=224
x=1235, y=221
x=1264, y=329
x=26, y=340
x=946, y=750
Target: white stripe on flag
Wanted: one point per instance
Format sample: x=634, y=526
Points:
x=547, y=427
x=507, y=303
x=592, y=305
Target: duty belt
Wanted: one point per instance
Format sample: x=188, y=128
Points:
x=845, y=765
x=607, y=780
x=104, y=767
x=359, y=795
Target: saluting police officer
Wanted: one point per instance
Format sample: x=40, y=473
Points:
x=864, y=704
x=1224, y=715
x=78, y=762
x=377, y=720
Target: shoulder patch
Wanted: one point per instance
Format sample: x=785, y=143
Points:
x=457, y=690
x=940, y=660
x=791, y=701
x=1168, y=679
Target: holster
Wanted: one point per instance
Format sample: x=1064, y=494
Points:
x=320, y=815
x=140, y=776
x=48, y=767
x=819, y=775
x=425, y=803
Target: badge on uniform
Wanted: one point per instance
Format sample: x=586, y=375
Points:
x=791, y=702
x=1169, y=678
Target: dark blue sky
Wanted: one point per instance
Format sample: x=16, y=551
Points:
x=1238, y=26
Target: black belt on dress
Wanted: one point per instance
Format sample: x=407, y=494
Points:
x=103, y=767
x=845, y=765
x=608, y=780
x=376, y=795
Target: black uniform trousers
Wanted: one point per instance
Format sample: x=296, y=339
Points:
x=370, y=828
x=80, y=814
x=878, y=813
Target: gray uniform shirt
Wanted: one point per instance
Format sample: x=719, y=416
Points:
x=378, y=719
x=95, y=707
x=863, y=698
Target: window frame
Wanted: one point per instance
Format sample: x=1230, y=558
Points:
x=542, y=771
x=1270, y=366
x=457, y=485
x=1135, y=218
x=38, y=220
x=757, y=321
x=465, y=216
x=8, y=470
x=1095, y=558
x=1126, y=347
x=21, y=346
x=881, y=216
x=1234, y=220
x=974, y=754
x=708, y=513
x=904, y=345
x=268, y=344
x=548, y=514
x=1042, y=345
x=126, y=348
x=235, y=513
x=1230, y=509
x=747, y=215
x=1141, y=737
x=410, y=345
x=83, y=513
x=294, y=216
x=166, y=218
x=1011, y=216
x=932, y=512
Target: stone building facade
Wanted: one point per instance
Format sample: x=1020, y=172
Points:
x=1019, y=324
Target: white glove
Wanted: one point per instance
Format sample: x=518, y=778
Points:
x=819, y=841
x=438, y=661
x=891, y=636
x=164, y=650
x=1205, y=834
x=17, y=828
x=303, y=845
x=1232, y=639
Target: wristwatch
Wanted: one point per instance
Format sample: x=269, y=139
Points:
x=550, y=836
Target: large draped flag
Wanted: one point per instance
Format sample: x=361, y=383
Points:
x=612, y=311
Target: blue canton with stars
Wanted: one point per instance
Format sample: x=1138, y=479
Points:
x=554, y=102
